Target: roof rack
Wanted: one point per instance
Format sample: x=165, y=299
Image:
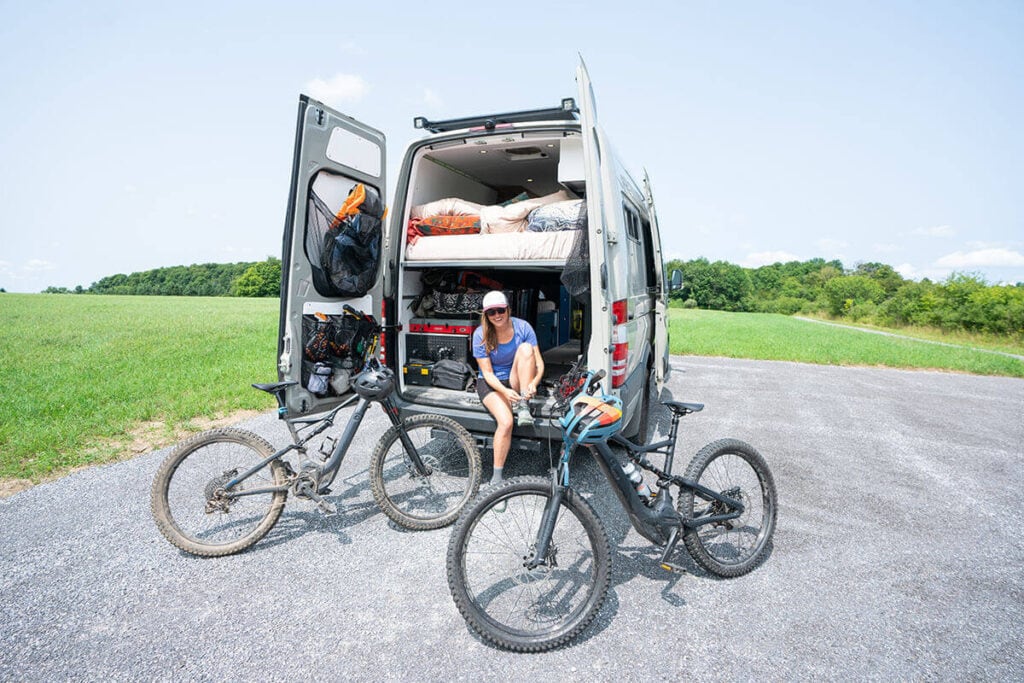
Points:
x=566, y=112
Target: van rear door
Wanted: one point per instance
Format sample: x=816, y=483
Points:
x=598, y=197
x=334, y=154
x=661, y=365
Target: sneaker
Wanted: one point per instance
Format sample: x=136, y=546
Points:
x=523, y=416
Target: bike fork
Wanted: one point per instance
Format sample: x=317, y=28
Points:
x=422, y=468
x=547, y=525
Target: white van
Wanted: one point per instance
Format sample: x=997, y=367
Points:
x=586, y=271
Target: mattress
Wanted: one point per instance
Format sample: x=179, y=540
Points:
x=509, y=246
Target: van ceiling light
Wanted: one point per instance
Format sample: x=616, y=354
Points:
x=529, y=180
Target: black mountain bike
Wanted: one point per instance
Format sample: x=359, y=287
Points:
x=529, y=560
x=222, y=491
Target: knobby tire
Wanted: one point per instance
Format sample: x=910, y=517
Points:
x=736, y=547
x=182, y=488
x=425, y=502
x=514, y=607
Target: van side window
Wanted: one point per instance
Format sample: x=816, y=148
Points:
x=636, y=250
x=632, y=223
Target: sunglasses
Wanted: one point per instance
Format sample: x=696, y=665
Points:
x=497, y=311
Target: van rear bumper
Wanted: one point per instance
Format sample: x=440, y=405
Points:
x=481, y=425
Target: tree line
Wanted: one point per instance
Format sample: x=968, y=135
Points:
x=869, y=292
x=261, y=278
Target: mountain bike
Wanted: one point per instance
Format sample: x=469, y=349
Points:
x=529, y=560
x=220, y=492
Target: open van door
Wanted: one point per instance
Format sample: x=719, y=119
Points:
x=594, y=163
x=661, y=366
x=331, y=252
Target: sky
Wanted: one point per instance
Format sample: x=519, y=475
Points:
x=141, y=135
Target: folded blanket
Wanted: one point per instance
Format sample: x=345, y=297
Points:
x=570, y=215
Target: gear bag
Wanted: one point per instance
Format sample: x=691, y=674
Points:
x=344, y=247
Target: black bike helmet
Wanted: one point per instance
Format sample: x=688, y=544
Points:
x=374, y=384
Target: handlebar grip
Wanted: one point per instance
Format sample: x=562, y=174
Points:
x=595, y=380
x=351, y=311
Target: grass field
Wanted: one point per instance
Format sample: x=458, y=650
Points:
x=90, y=379
x=83, y=377
x=766, y=336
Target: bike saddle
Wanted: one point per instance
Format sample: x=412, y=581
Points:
x=680, y=408
x=275, y=387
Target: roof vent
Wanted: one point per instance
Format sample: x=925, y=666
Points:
x=524, y=153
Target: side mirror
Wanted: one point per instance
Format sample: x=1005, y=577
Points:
x=676, y=281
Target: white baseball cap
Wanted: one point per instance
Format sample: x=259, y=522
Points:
x=495, y=299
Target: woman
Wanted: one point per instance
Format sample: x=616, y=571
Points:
x=511, y=368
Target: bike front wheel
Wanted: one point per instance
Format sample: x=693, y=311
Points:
x=734, y=469
x=430, y=498
x=509, y=604
x=194, y=511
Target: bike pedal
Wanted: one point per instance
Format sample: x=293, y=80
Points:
x=669, y=567
x=328, y=509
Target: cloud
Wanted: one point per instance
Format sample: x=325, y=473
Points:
x=431, y=99
x=911, y=272
x=831, y=245
x=764, y=258
x=982, y=258
x=338, y=89
x=38, y=265
x=934, y=231
x=885, y=248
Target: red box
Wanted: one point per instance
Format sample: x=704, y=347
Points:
x=442, y=326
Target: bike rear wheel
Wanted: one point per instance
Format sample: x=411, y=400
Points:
x=529, y=610
x=189, y=503
x=412, y=499
x=736, y=546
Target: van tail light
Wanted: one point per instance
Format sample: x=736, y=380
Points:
x=620, y=343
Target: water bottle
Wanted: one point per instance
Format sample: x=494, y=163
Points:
x=637, y=479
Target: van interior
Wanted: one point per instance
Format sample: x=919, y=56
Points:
x=441, y=291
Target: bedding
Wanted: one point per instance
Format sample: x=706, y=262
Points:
x=511, y=246
x=570, y=215
x=499, y=218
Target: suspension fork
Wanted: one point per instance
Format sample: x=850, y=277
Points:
x=548, y=519
x=391, y=410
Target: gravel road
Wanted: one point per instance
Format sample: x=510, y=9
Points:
x=898, y=555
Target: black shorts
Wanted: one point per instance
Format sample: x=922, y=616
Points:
x=483, y=388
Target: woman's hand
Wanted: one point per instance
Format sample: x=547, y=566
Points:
x=531, y=390
x=511, y=395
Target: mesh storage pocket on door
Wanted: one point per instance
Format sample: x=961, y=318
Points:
x=343, y=248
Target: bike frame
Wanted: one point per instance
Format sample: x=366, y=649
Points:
x=326, y=472
x=659, y=522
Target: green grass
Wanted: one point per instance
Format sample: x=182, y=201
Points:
x=767, y=336
x=992, y=342
x=81, y=376
x=79, y=373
